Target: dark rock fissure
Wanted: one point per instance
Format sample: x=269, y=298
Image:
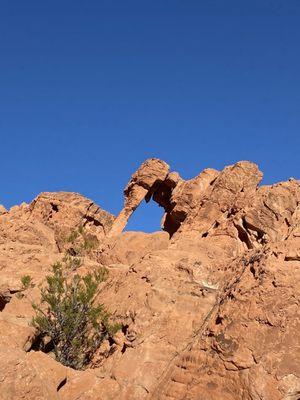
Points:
x=243, y=236
x=54, y=207
x=93, y=220
x=5, y=298
x=3, y=302
x=62, y=383
x=41, y=344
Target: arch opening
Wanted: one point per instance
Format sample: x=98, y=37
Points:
x=146, y=218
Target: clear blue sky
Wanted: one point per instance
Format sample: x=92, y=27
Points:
x=88, y=90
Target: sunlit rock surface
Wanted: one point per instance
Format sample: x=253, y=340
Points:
x=209, y=306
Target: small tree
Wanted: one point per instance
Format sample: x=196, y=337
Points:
x=70, y=316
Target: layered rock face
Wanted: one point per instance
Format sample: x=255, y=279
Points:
x=209, y=307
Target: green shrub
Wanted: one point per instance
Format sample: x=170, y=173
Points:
x=27, y=283
x=71, y=318
x=72, y=262
x=81, y=242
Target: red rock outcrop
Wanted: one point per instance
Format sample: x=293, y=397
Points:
x=249, y=346
x=141, y=185
x=209, y=308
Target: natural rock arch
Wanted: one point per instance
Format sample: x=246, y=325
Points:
x=153, y=180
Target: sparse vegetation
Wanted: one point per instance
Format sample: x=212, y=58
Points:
x=81, y=242
x=68, y=315
x=27, y=283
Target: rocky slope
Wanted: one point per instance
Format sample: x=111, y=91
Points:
x=209, y=306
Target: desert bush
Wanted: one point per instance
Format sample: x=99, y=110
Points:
x=27, y=283
x=70, y=316
x=81, y=242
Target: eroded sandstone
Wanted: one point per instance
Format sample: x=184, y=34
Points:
x=209, y=307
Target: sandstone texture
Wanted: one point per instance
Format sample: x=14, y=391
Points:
x=209, y=306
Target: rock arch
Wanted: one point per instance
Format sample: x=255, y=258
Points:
x=153, y=180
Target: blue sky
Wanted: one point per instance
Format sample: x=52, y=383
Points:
x=88, y=90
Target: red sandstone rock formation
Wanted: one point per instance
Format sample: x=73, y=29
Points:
x=209, y=307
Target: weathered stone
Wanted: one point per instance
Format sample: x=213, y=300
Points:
x=2, y=209
x=143, y=183
x=209, y=308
